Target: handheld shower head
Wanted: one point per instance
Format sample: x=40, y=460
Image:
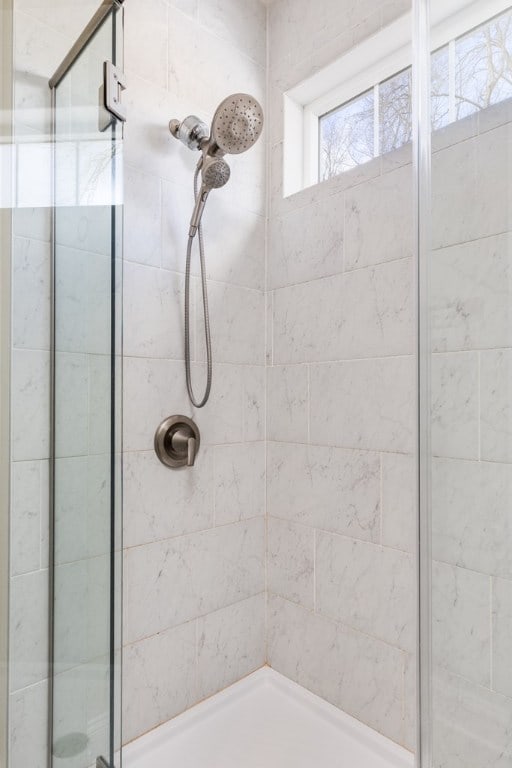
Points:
x=237, y=124
x=215, y=173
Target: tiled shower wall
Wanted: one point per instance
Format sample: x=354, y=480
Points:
x=194, y=540
x=340, y=398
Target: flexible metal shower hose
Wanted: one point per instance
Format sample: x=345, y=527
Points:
x=193, y=400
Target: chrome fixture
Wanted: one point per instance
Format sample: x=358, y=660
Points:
x=236, y=126
x=177, y=442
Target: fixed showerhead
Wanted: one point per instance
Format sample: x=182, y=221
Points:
x=237, y=124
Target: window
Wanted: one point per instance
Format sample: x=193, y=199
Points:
x=360, y=106
x=347, y=136
x=470, y=73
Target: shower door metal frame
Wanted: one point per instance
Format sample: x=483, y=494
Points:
x=106, y=8
x=422, y=213
x=6, y=137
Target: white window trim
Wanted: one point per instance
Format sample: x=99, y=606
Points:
x=376, y=59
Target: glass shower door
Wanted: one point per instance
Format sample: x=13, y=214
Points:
x=86, y=530
x=468, y=312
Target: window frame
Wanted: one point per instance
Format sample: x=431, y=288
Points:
x=373, y=61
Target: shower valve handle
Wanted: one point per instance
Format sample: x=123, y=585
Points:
x=177, y=442
x=184, y=443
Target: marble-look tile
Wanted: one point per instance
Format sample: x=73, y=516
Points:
x=28, y=629
x=379, y=220
x=275, y=113
x=159, y=503
x=159, y=679
x=153, y=312
x=472, y=725
x=82, y=507
x=30, y=400
x=239, y=22
x=454, y=409
x=173, y=581
x=98, y=294
x=28, y=718
x=186, y=6
x=236, y=635
x=461, y=624
x=142, y=214
x=71, y=614
x=306, y=243
x=410, y=738
x=234, y=242
x=397, y=158
x=83, y=297
x=357, y=673
x=470, y=297
x=55, y=17
x=86, y=228
x=254, y=402
x=269, y=324
x=291, y=561
x=156, y=388
x=461, y=533
x=494, y=115
x=493, y=169
x=148, y=143
x=38, y=47
x=364, y=404
x=234, y=238
x=237, y=317
x=364, y=313
x=239, y=482
x=455, y=195
x=501, y=634
x=99, y=405
x=329, y=488
x=287, y=403
x=298, y=31
x=197, y=49
x=399, y=501
x=496, y=405
x=455, y=133
x=72, y=411
x=177, y=207
x=31, y=291
x=146, y=49
x=28, y=506
x=366, y=587
x=32, y=223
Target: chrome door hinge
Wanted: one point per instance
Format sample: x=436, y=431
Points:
x=111, y=107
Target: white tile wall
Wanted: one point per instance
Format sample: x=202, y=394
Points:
x=332, y=489
x=341, y=403
x=195, y=539
x=358, y=673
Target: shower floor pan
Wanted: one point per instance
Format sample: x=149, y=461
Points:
x=264, y=721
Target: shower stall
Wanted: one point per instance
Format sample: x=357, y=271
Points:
x=318, y=570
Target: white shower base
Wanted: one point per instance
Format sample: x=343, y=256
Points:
x=264, y=721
